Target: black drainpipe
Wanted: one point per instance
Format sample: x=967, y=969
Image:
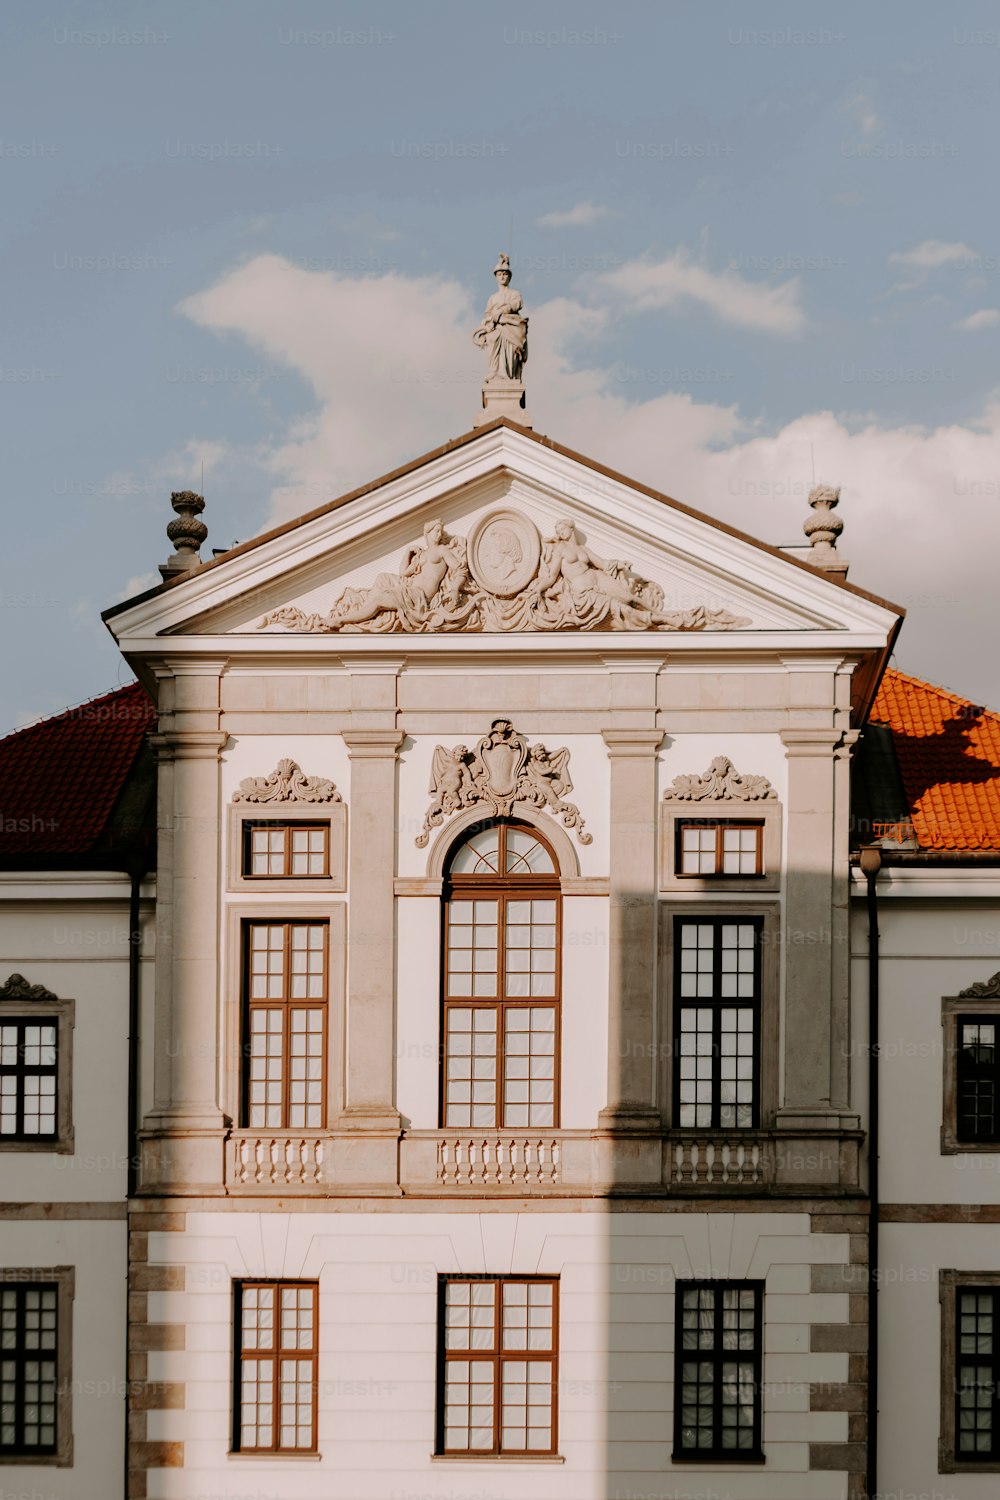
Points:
x=871, y=863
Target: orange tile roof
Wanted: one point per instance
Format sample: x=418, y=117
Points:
x=60, y=778
x=948, y=751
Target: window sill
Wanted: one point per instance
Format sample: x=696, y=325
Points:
x=498, y=1460
x=698, y=1461
x=289, y=1456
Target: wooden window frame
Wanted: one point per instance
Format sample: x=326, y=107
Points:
x=331, y=814
x=498, y=1355
x=63, y=1013
x=63, y=1278
x=292, y=825
x=276, y=1355
x=950, y=1283
x=765, y=815
x=955, y=1009
x=719, y=825
x=232, y=1033
x=502, y=888
x=717, y=1357
x=286, y=1003
x=768, y=915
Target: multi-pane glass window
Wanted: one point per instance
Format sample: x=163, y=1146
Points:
x=720, y=848
x=717, y=1023
x=285, y=1021
x=276, y=1366
x=28, y=1079
x=717, y=1370
x=498, y=1345
x=286, y=850
x=28, y=1374
x=977, y=1079
x=977, y=1374
x=501, y=981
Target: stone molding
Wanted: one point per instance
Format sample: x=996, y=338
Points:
x=721, y=783
x=286, y=783
x=501, y=771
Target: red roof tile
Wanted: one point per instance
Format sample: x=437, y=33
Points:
x=60, y=778
x=948, y=751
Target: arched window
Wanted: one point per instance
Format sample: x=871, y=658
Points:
x=501, y=985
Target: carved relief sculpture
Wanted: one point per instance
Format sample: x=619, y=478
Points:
x=720, y=783
x=503, y=579
x=503, y=769
x=288, y=783
x=18, y=988
x=983, y=989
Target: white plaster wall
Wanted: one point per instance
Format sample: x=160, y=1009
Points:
x=751, y=754
x=378, y=1276
x=78, y=948
x=911, y=1256
x=97, y=1251
x=928, y=949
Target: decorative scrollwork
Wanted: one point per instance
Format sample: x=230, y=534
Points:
x=18, y=988
x=983, y=989
x=287, y=783
x=720, y=783
x=503, y=769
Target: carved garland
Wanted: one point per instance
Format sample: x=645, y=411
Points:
x=983, y=989
x=501, y=770
x=18, y=988
x=287, y=783
x=720, y=783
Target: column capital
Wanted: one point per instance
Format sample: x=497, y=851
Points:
x=189, y=744
x=373, y=744
x=631, y=743
x=820, y=742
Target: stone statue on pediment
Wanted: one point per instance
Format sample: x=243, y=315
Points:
x=503, y=333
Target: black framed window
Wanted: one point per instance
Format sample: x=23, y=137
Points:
x=718, y=1362
x=717, y=994
x=29, y=1383
x=498, y=1365
x=28, y=1078
x=977, y=1373
x=977, y=1118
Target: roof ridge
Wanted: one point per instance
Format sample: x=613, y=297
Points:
x=71, y=709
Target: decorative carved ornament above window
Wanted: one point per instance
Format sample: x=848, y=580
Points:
x=720, y=783
x=503, y=577
x=18, y=988
x=983, y=989
x=288, y=783
x=501, y=771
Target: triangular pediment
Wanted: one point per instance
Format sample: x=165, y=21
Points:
x=503, y=534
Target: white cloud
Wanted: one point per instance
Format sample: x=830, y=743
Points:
x=660, y=284
x=931, y=255
x=138, y=584
x=865, y=116
x=986, y=317
x=573, y=218
x=395, y=374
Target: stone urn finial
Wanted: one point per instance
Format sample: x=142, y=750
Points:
x=187, y=534
x=823, y=528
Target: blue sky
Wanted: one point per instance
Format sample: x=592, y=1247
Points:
x=754, y=241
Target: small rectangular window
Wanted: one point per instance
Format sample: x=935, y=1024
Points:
x=498, y=1363
x=285, y=851
x=977, y=1117
x=277, y=1342
x=285, y=1025
x=29, y=1378
x=725, y=848
x=28, y=1078
x=717, y=1370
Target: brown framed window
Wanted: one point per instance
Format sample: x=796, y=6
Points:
x=718, y=1360
x=29, y=1071
x=502, y=981
x=717, y=1022
x=285, y=851
x=728, y=848
x=285, y=997
x=275, y=1380
x=498, y=1365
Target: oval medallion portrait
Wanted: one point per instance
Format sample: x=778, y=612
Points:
x=504, y=552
